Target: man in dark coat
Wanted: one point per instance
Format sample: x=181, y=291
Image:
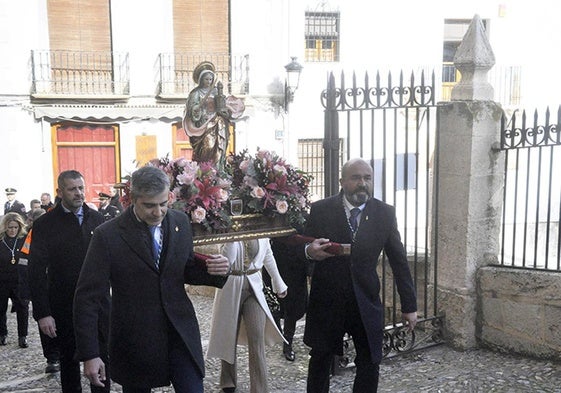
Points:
x=115, y=199
x=105, y=208
x=12, y=204
x=144, y=257
x=345, y=289
x=46, y=203
x=60, y=241
x=294, y=271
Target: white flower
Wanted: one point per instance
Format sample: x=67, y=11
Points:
x=250, y=181
x=280, y=169
x=222, y=195
x=186, y=178
x=282, y=206
x=198, y=215
x=257, y=192
x=181, y=162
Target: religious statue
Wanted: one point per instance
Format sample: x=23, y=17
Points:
x=208, y=114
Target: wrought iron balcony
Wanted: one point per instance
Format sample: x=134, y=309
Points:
x=174, y=72
x=65, y=73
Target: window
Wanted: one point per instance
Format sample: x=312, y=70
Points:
x=311, y=160
x=454, y=31
x=322, y=36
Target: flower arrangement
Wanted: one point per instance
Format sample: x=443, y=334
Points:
x=198, y=189
x=267, y=184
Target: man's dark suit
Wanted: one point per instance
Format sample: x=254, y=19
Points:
x=146, y=303
x=336, y=279
x=57, y=253
x=16, y=207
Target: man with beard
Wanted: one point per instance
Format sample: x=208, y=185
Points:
x=60, y=241
x=345, y=289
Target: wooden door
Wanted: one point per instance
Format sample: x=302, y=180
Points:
x=92, y=150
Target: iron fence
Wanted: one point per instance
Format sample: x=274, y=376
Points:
x=391, y=123
x=67, y=72
x=530, y=235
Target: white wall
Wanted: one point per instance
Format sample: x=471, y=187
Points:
x=25, y=149
x=402, y=34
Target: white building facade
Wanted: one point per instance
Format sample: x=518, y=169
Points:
x=388, y=36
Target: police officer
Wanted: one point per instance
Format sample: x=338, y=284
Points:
x=12, y=205
x=109, y=211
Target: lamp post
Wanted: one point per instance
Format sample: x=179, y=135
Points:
x=293, y=70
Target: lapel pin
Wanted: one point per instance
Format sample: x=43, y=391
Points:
x=366, y=218
x=176, y=229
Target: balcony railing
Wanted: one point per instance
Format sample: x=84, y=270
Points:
x=174, y=72
x=79, y=73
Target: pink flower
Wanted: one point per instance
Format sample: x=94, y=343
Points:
x=282, y=207
x=186, y=178
x=257, y=192
x=280, y=169
x=172, y=197
x=244, y=165
x=198, y=215
x=264, y=154
x=180, y=162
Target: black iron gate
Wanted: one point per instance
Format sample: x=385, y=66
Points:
x=393, y=127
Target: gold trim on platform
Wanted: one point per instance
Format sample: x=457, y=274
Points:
x=246, y=227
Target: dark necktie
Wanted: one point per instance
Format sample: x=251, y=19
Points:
x=156, y=245
x=353, y=218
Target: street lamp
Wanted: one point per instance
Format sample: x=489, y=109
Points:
x=293, y=70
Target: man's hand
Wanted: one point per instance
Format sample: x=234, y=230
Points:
x=316, y=249
x=48, y=326
x=217, y=265
x=411, y=319
x=94, y=370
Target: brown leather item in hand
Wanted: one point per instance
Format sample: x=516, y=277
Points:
x=334, y=248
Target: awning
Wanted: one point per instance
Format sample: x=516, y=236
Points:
x=107, y=113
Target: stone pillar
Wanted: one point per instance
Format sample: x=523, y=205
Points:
x=469, y=187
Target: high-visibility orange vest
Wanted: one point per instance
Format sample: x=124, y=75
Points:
x=27, y=243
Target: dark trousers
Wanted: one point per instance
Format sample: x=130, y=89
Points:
x=70, y=373
x=184, y=373
x=50, y=347
x=288, y=327
x=367, y=372
x=20, y=306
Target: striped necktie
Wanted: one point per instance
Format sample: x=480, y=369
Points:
x=157, y=244
x=353, y=218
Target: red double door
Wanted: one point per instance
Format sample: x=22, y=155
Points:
x=93, y=150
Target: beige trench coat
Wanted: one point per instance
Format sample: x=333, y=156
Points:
x=222, y=341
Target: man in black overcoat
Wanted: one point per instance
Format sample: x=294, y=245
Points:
x=345, y=289
x=12, y=204
x=145, y=257
x=60, y=241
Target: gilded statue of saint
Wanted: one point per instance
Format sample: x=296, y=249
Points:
x=208, y=114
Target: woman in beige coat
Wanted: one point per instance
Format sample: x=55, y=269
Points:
x=241, y=314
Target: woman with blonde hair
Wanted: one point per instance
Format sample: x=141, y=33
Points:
x=12, y=236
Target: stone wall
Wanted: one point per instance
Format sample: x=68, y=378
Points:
x=519, y=311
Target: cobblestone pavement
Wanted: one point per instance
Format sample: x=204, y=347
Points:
x=437, y=369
